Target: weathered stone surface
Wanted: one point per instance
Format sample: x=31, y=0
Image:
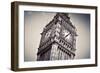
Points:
x=58, y=41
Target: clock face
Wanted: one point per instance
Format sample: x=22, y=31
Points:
x=47, y=34
x=67, y=35
x=69, y=38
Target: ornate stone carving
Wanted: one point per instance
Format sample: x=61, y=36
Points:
x=58, y=41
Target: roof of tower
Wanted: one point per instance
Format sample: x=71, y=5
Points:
x=64, y=16
x=57, y=16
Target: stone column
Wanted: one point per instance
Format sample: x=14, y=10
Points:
x=54, y=53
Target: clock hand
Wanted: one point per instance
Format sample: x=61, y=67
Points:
x=67, y=35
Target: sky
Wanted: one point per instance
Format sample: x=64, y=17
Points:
x=35, y=22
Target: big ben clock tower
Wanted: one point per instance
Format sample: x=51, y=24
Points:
x=58, y=39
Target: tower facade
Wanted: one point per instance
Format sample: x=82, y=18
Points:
x=58, y=39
